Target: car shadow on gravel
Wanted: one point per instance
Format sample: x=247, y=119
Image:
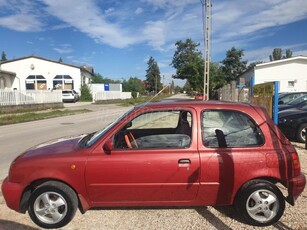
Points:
x=213, y=219
x=230, y=212
x=11, y=225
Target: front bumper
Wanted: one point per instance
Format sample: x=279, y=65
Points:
x=12, y=193
x=295, y=188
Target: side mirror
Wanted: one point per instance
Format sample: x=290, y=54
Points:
x=108, y=146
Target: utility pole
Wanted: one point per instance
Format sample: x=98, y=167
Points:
x=156, y=84
x=206, y=8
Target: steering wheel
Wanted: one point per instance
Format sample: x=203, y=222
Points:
x=130, y=138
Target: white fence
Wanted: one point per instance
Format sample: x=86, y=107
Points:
x=110, y=95
x=25, y=97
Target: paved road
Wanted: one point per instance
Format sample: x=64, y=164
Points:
x=18, y=137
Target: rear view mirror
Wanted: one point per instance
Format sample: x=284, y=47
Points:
x=108, y=146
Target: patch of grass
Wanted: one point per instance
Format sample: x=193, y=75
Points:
x=33, y=116
x=139, y=100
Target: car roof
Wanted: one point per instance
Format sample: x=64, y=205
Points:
x=195, y=103
x=291, y=93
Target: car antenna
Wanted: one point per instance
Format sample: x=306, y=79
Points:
x=157, y=93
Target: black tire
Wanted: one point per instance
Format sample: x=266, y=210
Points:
x=52, y=199
x=301, y=134
x=269, y=207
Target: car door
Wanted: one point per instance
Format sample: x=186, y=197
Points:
x=145, y=175
x=232, y=151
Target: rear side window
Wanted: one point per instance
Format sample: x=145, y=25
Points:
x=227, y=128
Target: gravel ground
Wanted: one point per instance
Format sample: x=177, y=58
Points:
x=170, y=218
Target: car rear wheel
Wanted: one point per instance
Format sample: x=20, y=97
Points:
x=301, y=133
x=52, y=205
x=260, y=203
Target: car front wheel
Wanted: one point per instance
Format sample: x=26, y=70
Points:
x=52, y=205
x=301, y=133
x=260, y=203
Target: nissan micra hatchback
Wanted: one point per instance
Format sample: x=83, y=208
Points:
x=176, y=153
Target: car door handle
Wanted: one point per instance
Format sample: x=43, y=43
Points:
x=184, y=161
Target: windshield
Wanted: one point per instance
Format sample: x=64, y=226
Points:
x=91, y=138
x=298, y=100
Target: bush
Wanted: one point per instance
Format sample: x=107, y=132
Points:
x=134, y=94
x=86, y=94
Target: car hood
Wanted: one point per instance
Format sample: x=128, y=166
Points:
x=285, y=106
x=65, y=145
x=291, y=112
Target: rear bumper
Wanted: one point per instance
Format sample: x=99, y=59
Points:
x=295, y=188
x=12, y=194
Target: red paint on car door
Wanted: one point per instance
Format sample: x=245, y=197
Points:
x=140, y=176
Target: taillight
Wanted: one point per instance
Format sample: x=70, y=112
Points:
x=296, y=164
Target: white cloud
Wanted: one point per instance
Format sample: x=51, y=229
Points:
x=155, y=34
x=138, y=11
x=110, y=10
x=60, y=26
x=92, y=22
x=234, y=23
x=63, y=50
x=245, y=17
x=21, y=22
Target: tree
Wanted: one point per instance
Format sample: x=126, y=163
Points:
x=277, y=54
x=288, y=53
x=86, y=94
x=217, y=79
x=253, y=64
x=233, y=65
x=3, y=56
x=134, y=84
x=60, y=59
x=98, y=78
x=153, y=77
x=188, y=62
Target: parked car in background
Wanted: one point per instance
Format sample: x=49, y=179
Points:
x=199, y=96
x=77, y=96
x=69, y=96
x=293, y=122
x=285, y=98
x=174, y=153
x=298, y=102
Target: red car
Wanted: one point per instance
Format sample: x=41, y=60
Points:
x=199, y=96
x=189, y=153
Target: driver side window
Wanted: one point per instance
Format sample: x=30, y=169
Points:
x=158, y=129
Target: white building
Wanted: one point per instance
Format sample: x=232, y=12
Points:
x=291, y=74
x=37, y=73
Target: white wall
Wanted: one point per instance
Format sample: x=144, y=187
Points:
x=48, y=69
x=284, y=71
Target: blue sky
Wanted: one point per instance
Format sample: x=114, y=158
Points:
x=118, y=37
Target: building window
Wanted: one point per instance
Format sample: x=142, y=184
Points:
x=36, y=82
x=291, y=83
x=63, y=82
